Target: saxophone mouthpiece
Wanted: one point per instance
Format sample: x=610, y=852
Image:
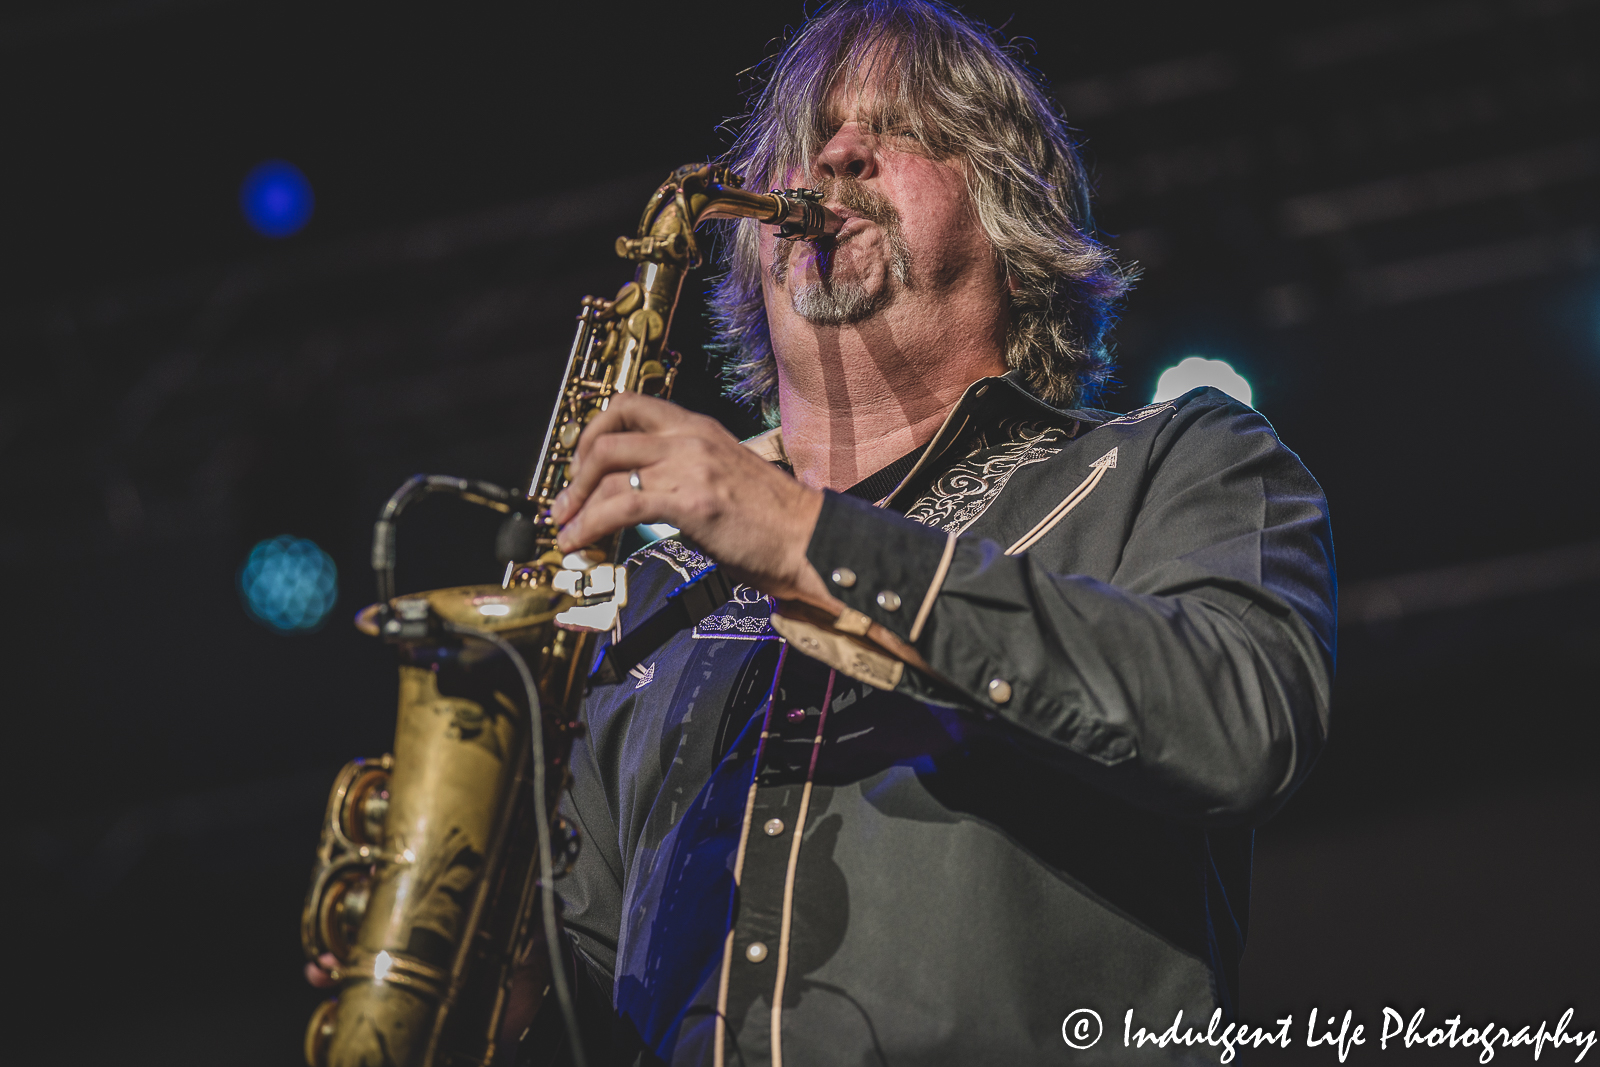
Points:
x=801, y=216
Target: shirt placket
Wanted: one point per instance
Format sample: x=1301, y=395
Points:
x=756, y=950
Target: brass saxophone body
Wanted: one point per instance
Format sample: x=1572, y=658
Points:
x=427, y=882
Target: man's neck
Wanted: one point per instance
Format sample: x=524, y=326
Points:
x=856, y=398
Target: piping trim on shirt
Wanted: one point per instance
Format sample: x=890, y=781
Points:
x=1072, y=500
x=719, y=1038
x=788, y=879
x=933, y=587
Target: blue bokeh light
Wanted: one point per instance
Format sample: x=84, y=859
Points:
x=276, y=199
x=289, y=584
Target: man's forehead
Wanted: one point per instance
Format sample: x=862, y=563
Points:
x=866, y=86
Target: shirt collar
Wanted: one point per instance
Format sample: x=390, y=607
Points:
x=985, y=402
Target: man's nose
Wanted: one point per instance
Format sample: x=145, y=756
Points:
x=850, y=151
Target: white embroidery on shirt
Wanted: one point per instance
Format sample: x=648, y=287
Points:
x=675, y=554
x=747, y=616
x=747, y=624
x=963, y=493
x=1148, y=411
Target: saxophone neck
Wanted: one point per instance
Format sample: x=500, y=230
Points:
x=695, y=193
x=798, y=213
x=621, y=344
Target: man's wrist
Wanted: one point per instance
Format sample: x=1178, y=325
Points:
x=800, y=580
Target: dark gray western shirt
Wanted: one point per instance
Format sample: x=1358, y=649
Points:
x=1133, y=638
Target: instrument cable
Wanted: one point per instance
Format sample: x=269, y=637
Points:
x=541, y=818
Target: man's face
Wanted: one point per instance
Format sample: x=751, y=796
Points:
x=910, y=231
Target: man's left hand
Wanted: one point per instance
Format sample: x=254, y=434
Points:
x=754, y=519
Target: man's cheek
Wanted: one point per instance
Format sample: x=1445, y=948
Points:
x=774, y=252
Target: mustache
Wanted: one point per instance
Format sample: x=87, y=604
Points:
x=849, y=193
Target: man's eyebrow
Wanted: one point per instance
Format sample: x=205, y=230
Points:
x=883, y=117
x=888, y=109
x=895, y=118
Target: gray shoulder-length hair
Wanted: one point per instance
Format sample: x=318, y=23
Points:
x=961, y=93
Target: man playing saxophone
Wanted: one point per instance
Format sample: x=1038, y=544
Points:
x=1110, y=637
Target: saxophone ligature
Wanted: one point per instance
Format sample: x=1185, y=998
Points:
x=433, y=879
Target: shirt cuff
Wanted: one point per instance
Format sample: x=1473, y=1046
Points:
x=879, y=564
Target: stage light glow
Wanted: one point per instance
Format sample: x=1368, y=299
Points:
x=1195, y=371
x=655, y=531
x=276, y=199
x=289, y=584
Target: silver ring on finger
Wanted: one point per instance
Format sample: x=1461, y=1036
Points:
x=633, y=481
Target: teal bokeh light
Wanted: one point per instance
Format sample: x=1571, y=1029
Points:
x=289, y=585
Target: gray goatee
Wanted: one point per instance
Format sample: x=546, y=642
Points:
x=835, y=301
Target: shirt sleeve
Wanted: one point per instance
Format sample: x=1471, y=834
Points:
x=1194, y=681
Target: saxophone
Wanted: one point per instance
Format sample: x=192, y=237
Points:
x=435, y=859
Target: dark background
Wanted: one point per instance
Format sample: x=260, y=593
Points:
x=1384, y=215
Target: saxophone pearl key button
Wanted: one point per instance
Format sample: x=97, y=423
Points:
x=999, y=690
x=756, y=952
x=844, y=577
x=889, y=600
x=772, y=827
